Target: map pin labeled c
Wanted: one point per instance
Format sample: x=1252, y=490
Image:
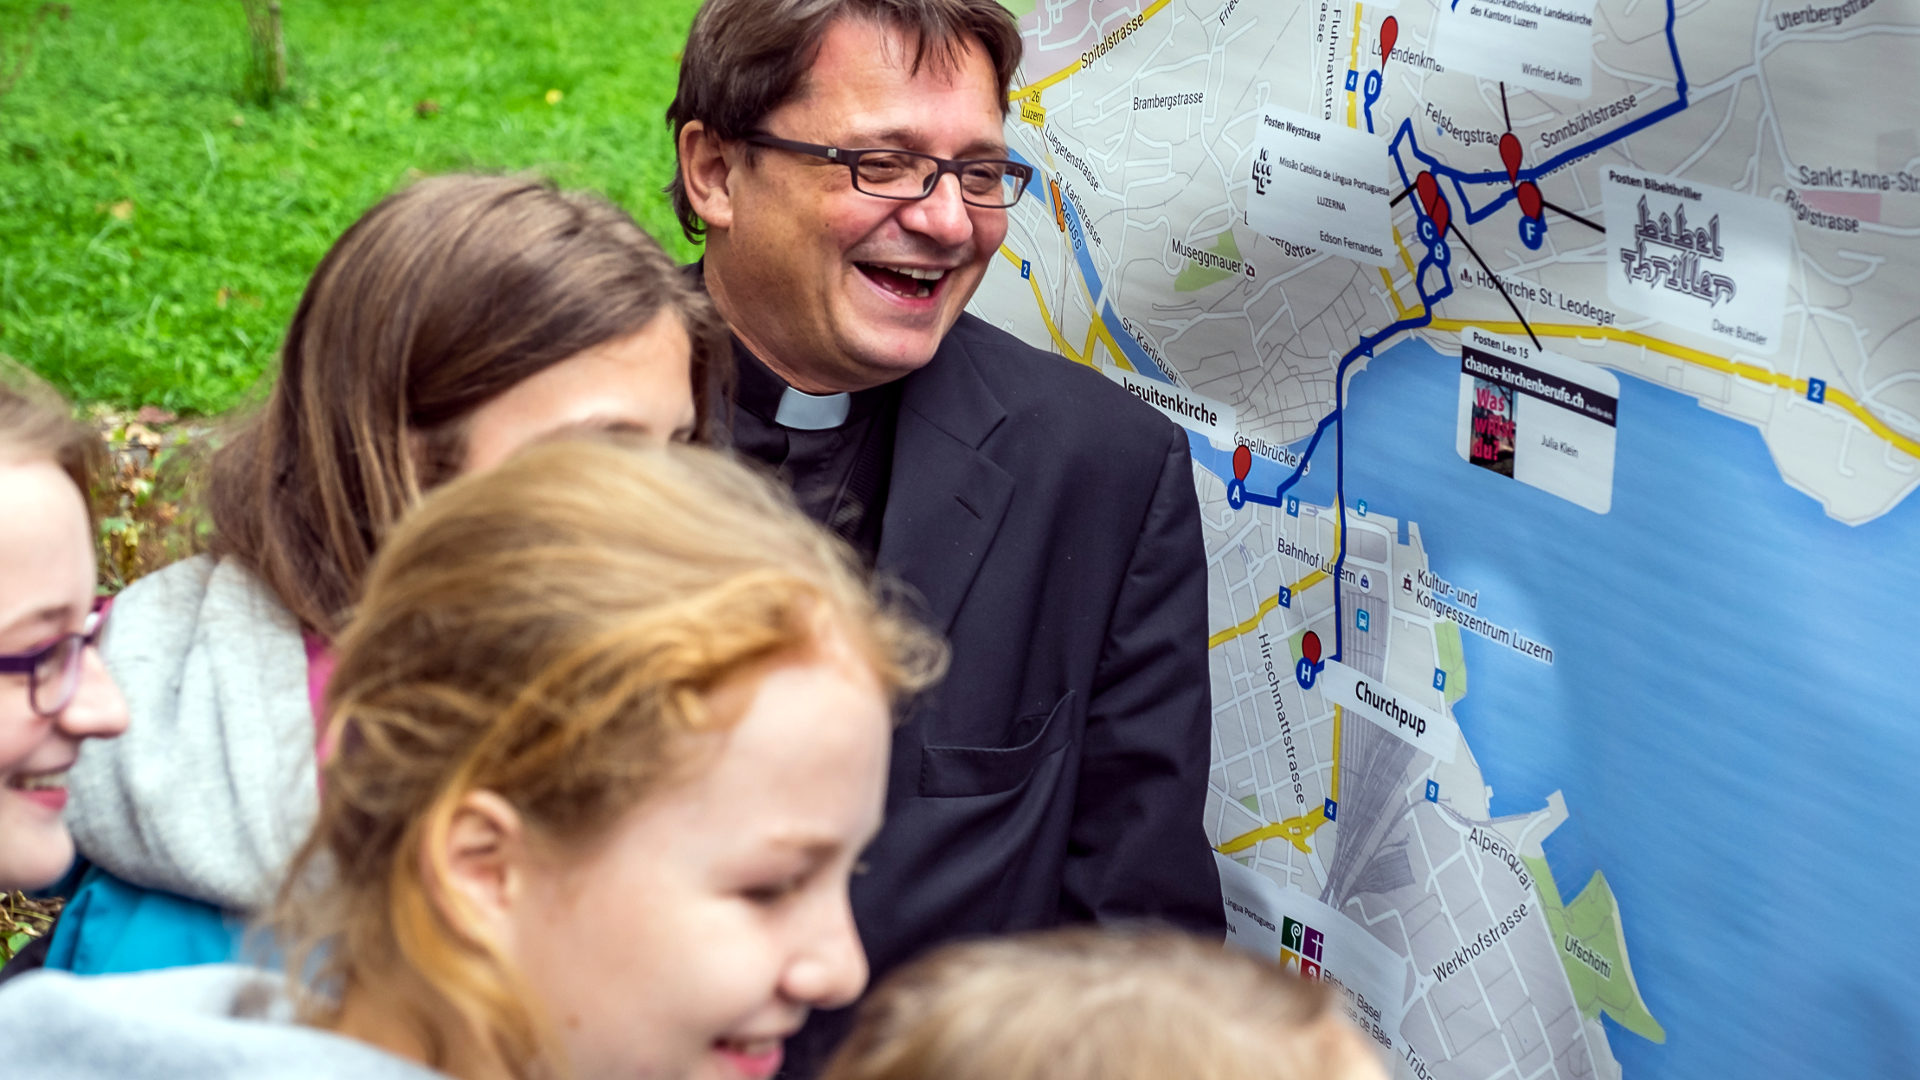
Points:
x=1428, y=189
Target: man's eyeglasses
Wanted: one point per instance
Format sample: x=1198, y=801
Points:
x=906, y=175
x=53, y=670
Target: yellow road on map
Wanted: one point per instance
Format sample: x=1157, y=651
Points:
x=1295, y=830
x=1060, y=76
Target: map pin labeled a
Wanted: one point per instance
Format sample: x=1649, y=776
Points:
x=1510, y=155
x=1428, y=189
x=1389, y=33
x=1242, y=461
x=1529, y=195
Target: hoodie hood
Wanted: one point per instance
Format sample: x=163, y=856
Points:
x=214, y=785
x=206, y=1022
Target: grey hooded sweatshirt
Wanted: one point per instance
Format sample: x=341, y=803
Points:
x=206, y=1022
x=214, y=784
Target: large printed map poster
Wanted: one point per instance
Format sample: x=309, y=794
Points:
x=1552, y=369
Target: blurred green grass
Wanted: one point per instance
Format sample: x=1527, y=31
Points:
x=156, y=227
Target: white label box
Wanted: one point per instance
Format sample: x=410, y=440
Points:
x=1321, y=184
x=1705, y=259
x=1295, y=930
x=1431, y=733
x=1542, y=45
x=1544, y=419
x=1196, y=412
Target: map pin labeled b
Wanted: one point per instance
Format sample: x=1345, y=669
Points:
x=1242, y=461
x=1428, y=189
x=1510, y=155
x=1389, y=33
x=1529, y=195
x=1442, y=213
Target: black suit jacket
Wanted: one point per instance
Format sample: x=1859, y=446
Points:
x=1059, y=773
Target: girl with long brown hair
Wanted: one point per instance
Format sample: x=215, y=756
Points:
x=601, y=780
x=457, y=320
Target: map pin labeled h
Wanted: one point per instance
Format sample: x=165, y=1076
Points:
x=1389, y=33
x=1310, y=648
x=1529, y=195
x=1510, y=155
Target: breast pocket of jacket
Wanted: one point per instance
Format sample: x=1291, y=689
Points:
x=959, y=771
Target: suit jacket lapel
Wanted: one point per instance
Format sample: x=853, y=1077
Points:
x=946, y=498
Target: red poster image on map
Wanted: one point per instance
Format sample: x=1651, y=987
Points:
x=1490, y=445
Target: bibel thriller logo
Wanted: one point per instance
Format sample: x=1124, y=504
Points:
x=1262, y=173
x=1678, y=255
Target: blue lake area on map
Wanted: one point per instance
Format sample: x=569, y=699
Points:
x=1733, y=712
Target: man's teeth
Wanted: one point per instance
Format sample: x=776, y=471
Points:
x=41, y=782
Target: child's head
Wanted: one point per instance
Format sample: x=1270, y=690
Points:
x=54, y=691
x=455, y=322
x=1087, y=1004
x=611, y=727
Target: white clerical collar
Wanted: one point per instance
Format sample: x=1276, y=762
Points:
x=812, y=412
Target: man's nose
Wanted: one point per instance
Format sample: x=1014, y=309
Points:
x=97, y=710
x=942, y=216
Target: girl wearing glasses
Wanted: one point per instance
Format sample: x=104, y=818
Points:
x=601, y=780
x=54, y=691
x=453, y=323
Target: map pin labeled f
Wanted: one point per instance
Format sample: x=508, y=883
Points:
x=1529, y=195
x=1510, y=155
x=1389, y=33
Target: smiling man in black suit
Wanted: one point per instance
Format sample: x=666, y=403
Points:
x=846, y=162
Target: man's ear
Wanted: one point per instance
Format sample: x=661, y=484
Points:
x=705, y=171
x=476, y=872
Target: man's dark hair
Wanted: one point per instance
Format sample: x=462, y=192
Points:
x=746, y=58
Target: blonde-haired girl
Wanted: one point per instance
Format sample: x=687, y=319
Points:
x=1087, y=1004
x=608, y=733
x=54, y=692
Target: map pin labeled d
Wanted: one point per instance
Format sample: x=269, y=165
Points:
x=1389, y=33
x=1510, y=155
x=1242, y=461
x=1529, y=195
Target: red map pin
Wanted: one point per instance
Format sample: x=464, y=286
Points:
x=1529, y=196
x=1389, y=33
x=1428, y=189
x=1510, y=154
x=1442, y=213
x=1242, y=461
x=1310, y=647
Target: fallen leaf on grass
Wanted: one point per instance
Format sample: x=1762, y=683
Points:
x=426, y=107
x=122, y=210
x=554, y=96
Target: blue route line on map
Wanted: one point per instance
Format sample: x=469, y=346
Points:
x=1438, y=257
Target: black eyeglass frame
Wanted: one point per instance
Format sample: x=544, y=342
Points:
x=29, y=664
x=850, y=157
